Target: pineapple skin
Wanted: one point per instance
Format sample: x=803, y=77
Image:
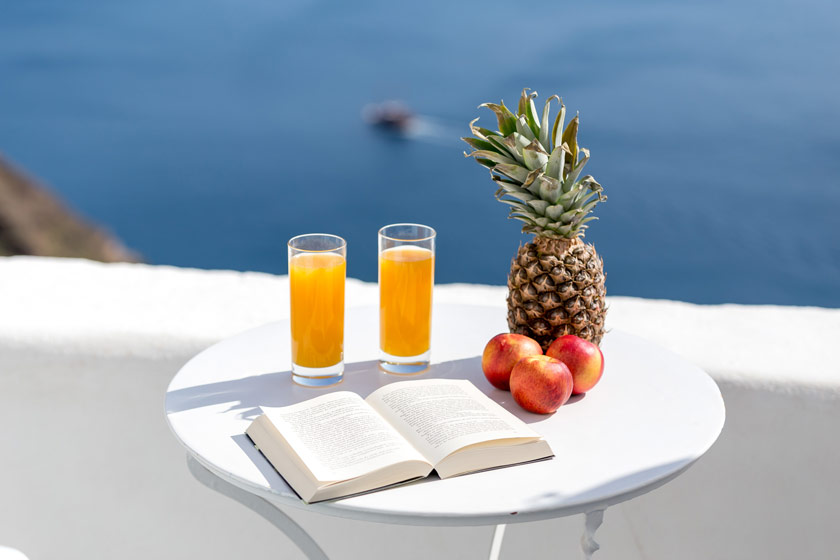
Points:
x=557, y=287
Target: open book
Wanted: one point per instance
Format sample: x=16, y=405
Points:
x=339, y=444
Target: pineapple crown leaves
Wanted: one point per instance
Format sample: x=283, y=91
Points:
x=537, y=167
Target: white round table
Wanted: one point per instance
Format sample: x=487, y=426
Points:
x=651, y=416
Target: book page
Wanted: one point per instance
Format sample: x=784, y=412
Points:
x=338, y=436
x=439, y=416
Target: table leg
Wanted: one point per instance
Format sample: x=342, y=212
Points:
x=295, y=532
x=496, y=544
x=587, y=541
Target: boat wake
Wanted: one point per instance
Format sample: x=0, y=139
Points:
x=397, y=119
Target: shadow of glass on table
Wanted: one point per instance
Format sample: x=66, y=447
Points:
x=246, y=395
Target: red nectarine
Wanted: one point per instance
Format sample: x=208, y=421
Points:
x=540, y=384
x=502, y=353
x=584, y=359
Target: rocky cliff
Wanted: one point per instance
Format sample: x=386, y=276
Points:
x=33, y=221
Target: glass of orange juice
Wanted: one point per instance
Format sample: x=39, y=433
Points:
x=406, y=279
x=317, y=268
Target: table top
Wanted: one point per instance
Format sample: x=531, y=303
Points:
x=651, y=416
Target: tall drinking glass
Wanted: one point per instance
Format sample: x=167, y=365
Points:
x=406, y=279
x=317, y=268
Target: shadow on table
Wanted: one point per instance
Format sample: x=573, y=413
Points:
x=245, y=396
x=608, y=493
x=620, y=488
x=273, y=479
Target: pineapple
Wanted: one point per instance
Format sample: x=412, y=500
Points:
x=556, y=281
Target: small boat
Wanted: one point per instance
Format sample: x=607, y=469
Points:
x=392, y=115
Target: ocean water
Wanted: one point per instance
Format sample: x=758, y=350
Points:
x=206, y=134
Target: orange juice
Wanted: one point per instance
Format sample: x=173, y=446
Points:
x=406, y=277
x=316, y=283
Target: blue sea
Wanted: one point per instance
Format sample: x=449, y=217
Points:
x=206, y=134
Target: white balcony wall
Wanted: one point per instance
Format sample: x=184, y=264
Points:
x=90, y=470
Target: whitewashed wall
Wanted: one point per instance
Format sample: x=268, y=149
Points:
x=89, y=469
